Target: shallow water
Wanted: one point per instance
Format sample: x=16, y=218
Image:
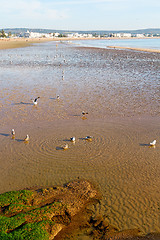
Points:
x=146, y=43
x=120, y=90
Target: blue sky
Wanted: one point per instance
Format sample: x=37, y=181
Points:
x=80, y=14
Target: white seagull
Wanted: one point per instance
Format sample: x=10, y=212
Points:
x=72, y=139
x=35, y=100
x=65, y=147
x=13, y=132
x=153, y=143
x=26, y=138
x=84, y=113
x=89, y=138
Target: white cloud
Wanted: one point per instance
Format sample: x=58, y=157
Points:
x=82, y=2
x=31, y=8
x=78, y=14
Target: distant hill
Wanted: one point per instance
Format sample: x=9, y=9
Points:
x=140, y=31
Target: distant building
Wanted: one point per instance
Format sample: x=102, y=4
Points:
x=27, y=34
x=139, y=35
x=37, y=35
x=121, y=35
x=117, y=35
x=56, y=34
x=127, y=35
x=79, y=35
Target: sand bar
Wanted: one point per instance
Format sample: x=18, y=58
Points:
x=136, y=49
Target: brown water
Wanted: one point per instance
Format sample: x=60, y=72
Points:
x=120, y=90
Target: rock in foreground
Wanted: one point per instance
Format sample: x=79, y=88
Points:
x=59, y=213
x=42, y=214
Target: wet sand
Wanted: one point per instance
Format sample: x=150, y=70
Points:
x=120, y=92
x=8, y=43
x=19, y=42
x=136, y=49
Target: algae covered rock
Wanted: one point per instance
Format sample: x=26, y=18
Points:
x=60, y=213
x=43, y=213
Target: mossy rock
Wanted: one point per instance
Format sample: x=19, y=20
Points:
x=41, y=214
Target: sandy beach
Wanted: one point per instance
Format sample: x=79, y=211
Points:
x=23, y=42
x=119, y=91
x=8, y=43
x=20, y=42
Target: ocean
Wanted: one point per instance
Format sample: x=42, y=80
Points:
x=135, y=43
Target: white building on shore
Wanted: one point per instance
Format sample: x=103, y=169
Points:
x=79, y=35
x=122, y=35
x=140, y=35
x=37, y=35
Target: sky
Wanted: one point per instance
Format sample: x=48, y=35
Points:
x=80, y=14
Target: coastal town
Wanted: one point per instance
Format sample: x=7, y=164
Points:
x=76, y=35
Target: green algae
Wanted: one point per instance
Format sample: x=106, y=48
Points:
x=28, y=231
x=14, y=197
x=19, y=220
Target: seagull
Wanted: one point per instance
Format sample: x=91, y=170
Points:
x=13, y=132
x=72, y=139
x=35, y=100
x=65, y=147
x=26, y=138
x=89, y=138
x=153, y=143
x=58, y=97
x=84, y=113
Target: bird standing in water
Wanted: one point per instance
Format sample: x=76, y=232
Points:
x=153, y=143
x=13, y=132
x=84, y=113
x=73, y=139
x=35, y=100
x=26, y=138
x=89, y=138
x=65, y=147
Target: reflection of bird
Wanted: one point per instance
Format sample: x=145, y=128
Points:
x=35, y=100
x=13, y=132
x=26, y=138
x=73, y=139
x=84, y=113
x=89, y=138
x=65, y=146
x=153, y=143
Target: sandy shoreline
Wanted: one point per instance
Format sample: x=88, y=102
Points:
x=136, y=49
x=23, y=42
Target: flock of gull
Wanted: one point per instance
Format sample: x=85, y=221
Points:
x=65, y=147
x=72, y=139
